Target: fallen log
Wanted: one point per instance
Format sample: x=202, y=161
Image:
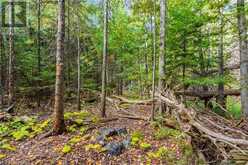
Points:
x=133, y=117
x=124, y=100
x=208, y=94
x=206, y=134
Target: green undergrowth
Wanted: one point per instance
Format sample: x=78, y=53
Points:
x=20, y=128
x=165, y=133
x=234, y=107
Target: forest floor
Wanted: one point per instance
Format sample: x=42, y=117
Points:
x=150, y=142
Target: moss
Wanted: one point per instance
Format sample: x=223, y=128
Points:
x=8, y=147
x=75, y=140
x=145, y=146
x=136, y=138
x=79, y=121
x=66, y=149
x=22, y=133
x=2, y=156
x=95, y=119
x=164, y=133
x=161, y=153
x=94, y=147
x=72, y=128
x=83, y=130
x=77, y=115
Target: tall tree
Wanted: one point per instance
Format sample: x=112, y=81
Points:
x=38, y=48
x=59, y=125
x=78, y=64
x=68, y=59
x=11, y=83
x=154, y=61
x=2, y=67
x=104, y=61
x=242, y=26
x=161, y=83
x=221, y=97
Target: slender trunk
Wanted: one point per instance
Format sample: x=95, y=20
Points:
x=11, y=84
x=209, y=49
x=140, y=75
x=242, y=25
x=184, y=64
x=68, y=46
x=154, y=62
x=221, y=97
x=146, y=70
x=104, y=62
x=59, y=125
x=38, y=50
x=161, y=83
x=78, y=64
x=2, y=77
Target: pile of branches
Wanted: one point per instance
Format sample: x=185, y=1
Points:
x=216, y=139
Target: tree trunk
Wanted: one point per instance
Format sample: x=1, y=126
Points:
x=146, y=90
x=78, y=64
x=161, y=83
x=221, y=97
x=38, y=50
x=154, y=61
x=59, y=125
x=242, y=26
x=68, y=62
x=184, y=64
x=11, y=83
x=104, y=62
x=2, y=76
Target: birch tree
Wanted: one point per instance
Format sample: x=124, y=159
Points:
x=161, y=83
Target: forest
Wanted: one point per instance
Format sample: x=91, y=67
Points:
x=123, y=82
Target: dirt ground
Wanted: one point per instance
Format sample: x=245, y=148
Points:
x=47, y=151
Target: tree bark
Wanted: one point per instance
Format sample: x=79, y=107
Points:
x=242, y=26
x=184, y=64
x=38, y=49
x=2, y=77
x=11, y=83
x=68, y=46
x=78, y=64
x=104, y=62
x=154, y=61
x=59, y=125
x=161, y=83
x=221, y=97
x=146, y=89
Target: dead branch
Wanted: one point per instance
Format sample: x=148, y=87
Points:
x=208, y=127
x=124, y=100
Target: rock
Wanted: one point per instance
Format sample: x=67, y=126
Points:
x=121, y=131
x=127, y=142
x=114, y=149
